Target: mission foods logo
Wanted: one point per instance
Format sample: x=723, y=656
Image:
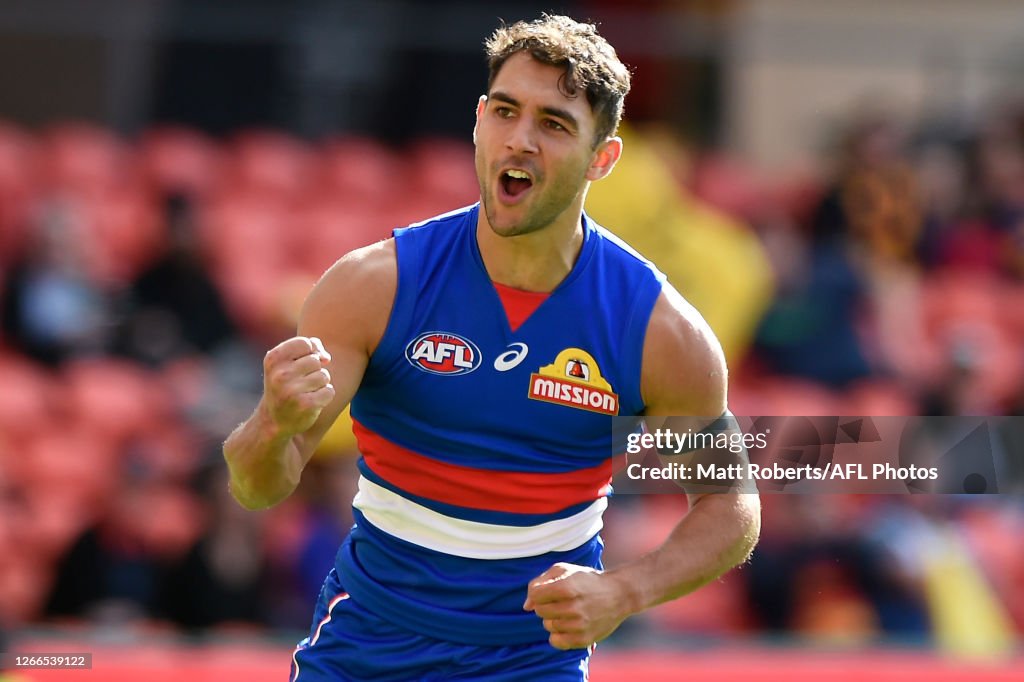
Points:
x=574, y=380
x=443, y=353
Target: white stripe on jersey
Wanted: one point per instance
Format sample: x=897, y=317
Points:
x=427, y=528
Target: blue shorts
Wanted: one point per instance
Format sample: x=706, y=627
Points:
x=349, y=643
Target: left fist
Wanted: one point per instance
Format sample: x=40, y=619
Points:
x=579, y=605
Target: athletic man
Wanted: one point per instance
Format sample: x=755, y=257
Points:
x=484, y=353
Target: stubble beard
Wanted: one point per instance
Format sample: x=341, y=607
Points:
x=538, y=212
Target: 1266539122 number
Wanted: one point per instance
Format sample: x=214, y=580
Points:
x=49, y=661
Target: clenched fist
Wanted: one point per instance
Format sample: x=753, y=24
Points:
x=579, y=605
x=296, y=383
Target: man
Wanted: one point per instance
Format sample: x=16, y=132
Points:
x=485, y=352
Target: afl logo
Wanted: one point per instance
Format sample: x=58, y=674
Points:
x=443, y=353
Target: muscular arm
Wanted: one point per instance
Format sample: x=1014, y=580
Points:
x=310, y=378
x=683, y=374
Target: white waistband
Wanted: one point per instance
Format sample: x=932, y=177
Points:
x=427, y=528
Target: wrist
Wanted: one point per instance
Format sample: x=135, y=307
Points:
x=267, y=428
x=630, y=597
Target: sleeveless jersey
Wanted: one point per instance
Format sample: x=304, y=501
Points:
x=486, y=452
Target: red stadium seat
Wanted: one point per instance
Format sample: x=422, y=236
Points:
x=81, y=159
x=1011, y=310
x=124, y=230
x=968, y=328
x=326, y=230
x=56, y=513
x=118, y=399
x=255, y=293
x=357, y=169
x=245, y=225
x=24, y=584
x=19, y=178
x=248, y=238
x=445, y=169
x=28, y=398
x=269, y=162
x=179, y=160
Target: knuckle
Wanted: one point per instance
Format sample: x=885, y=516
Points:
x=299, y=342
x=279, y=380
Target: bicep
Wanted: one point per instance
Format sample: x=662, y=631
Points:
x=684, y=384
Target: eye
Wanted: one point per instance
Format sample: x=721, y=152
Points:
x=503, y=111
x=554, y=125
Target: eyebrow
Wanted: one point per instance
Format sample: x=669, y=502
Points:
x=549, y=111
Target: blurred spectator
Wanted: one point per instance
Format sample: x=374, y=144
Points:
x=874, y=203
x=812, y=328
x=52, y=309
x=975, y=216
x=112, y=574
x=942, y=176
x=862, y=236
x=820, y=570
x=221, y=579
x=176, y=308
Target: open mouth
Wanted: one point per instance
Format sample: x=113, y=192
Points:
x=515, y=182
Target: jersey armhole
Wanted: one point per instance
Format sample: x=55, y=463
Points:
x=401, y=308
x=637, y=324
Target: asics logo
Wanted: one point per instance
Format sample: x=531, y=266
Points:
x=512, y=357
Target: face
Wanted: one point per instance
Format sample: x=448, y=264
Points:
x=534, y=149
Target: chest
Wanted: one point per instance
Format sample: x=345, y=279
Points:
x=554, y=380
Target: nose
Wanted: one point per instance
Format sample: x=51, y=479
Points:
x=522, y=137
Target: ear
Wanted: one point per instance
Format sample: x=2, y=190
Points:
x=480, y=104
x=605, y=157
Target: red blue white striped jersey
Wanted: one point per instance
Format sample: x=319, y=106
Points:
x=486, y=452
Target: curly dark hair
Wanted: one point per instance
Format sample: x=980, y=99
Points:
x=589, y=61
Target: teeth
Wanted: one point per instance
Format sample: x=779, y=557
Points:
x=521, y=175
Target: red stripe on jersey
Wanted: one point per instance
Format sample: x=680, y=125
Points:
x=520, y=492
x=519, y=304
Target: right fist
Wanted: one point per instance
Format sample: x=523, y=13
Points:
x=296, y=383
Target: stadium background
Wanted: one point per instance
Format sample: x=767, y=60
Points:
x=839, y=187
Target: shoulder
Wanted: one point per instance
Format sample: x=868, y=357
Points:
x=354, y=297
x=621, y=250
x=439, y=224
x=684, y=371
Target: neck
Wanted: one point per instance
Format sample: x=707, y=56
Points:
x=537, y=261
